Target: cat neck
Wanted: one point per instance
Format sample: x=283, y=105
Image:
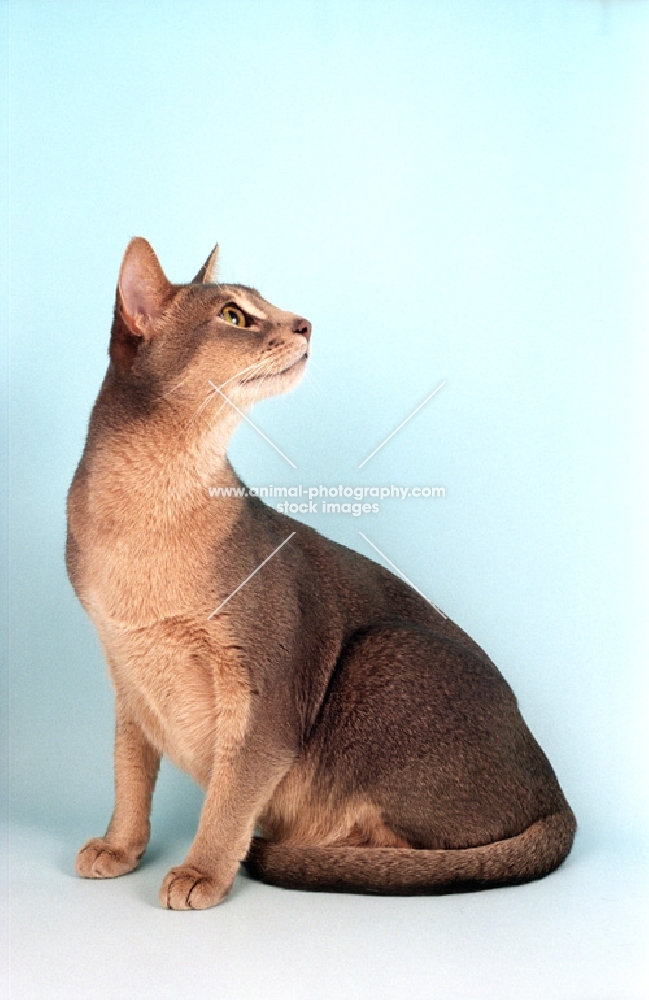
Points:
x=160, y=462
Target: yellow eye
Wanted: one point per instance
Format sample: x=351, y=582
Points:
x=232, y=314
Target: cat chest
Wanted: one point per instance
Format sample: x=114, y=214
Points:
x=185, y=691
x=146, y=580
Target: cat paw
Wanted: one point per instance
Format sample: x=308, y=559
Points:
x=99, y=859
x=189, y=888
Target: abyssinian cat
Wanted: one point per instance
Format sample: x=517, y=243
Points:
x=372, y=743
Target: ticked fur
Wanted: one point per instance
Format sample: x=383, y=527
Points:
x=372, y=742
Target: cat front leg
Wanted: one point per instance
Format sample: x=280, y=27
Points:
x=136, y=769
x=238, y=790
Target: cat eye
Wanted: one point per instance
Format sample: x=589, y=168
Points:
x=232, y=314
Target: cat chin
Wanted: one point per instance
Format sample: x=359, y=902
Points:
x=275, y=385
x=292, y=376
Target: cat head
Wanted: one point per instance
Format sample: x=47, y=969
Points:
x=182, y=342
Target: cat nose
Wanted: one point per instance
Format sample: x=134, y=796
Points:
x=302, y=326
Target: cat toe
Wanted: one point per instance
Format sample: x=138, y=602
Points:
x=188, y=888
x=99, y=859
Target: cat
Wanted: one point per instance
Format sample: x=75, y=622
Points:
x=372, y=743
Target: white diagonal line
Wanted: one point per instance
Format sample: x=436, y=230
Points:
x=402, y=574
x=242, y=414
x=236, y=591
x=402, y=424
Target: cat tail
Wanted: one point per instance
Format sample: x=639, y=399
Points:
x=396, y=871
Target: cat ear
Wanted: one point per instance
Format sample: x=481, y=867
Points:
x=143, y=293
x=208, y=274
x=143, y=289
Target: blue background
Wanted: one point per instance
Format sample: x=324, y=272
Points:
x=447, y=190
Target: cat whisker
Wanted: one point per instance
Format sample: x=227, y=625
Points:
x=257, y=372
x=312, y=380
x=214, y=394
x=243, y=371
x=173, y=389
x=208, y=399
x=261, y=370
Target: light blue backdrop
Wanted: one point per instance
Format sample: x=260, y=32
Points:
x=447, y=191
